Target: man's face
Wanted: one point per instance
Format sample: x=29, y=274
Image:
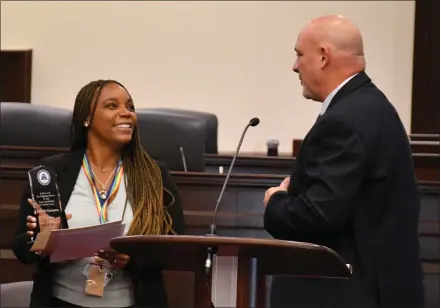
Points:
x=308, y=66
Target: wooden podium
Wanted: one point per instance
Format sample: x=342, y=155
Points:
x=274, y=257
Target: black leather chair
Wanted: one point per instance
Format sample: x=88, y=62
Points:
x=210, y=120
x=24, y=124
x=163, y=134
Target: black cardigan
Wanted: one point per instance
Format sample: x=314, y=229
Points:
x=148, y=284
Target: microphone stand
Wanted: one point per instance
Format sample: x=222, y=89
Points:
x=211, y=251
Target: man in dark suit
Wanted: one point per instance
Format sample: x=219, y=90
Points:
x=353, y=188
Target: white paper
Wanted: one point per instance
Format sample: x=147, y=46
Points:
x=70, y=244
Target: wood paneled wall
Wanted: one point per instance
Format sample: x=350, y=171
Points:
x=240, y=212
x=16, y=76
x=425, y=88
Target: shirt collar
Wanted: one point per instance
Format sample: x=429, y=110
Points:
x=331, y=95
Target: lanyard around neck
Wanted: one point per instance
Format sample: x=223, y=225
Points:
x=102, y=203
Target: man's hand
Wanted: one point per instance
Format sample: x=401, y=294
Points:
x=285, y=183
x=282, y=187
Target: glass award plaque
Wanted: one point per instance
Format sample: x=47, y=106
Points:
x=46, y=197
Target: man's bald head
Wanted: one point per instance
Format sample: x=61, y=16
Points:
x=336, y=31
x=329, y=50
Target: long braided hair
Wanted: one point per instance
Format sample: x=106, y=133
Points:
x=145, y=187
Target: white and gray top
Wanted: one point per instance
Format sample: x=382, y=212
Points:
x=69, y=281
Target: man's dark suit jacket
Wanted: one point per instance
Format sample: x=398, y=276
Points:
x=353, y=189
x=149, y=290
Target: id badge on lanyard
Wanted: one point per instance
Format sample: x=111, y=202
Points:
x=99, y=272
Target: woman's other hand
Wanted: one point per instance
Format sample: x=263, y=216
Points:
x=118, y=260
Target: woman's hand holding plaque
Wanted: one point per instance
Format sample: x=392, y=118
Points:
x=45, y=221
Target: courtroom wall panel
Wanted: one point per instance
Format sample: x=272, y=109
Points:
x=425, y=90
x=16, y=75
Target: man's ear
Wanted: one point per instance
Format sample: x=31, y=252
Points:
x=324, y=56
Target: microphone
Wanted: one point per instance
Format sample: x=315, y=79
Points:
x=272, y=145
x=184, y=161
x=212, y=231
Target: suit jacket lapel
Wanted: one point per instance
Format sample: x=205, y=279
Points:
x=68, y=173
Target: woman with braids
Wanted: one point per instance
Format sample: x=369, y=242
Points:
x=107, y=176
